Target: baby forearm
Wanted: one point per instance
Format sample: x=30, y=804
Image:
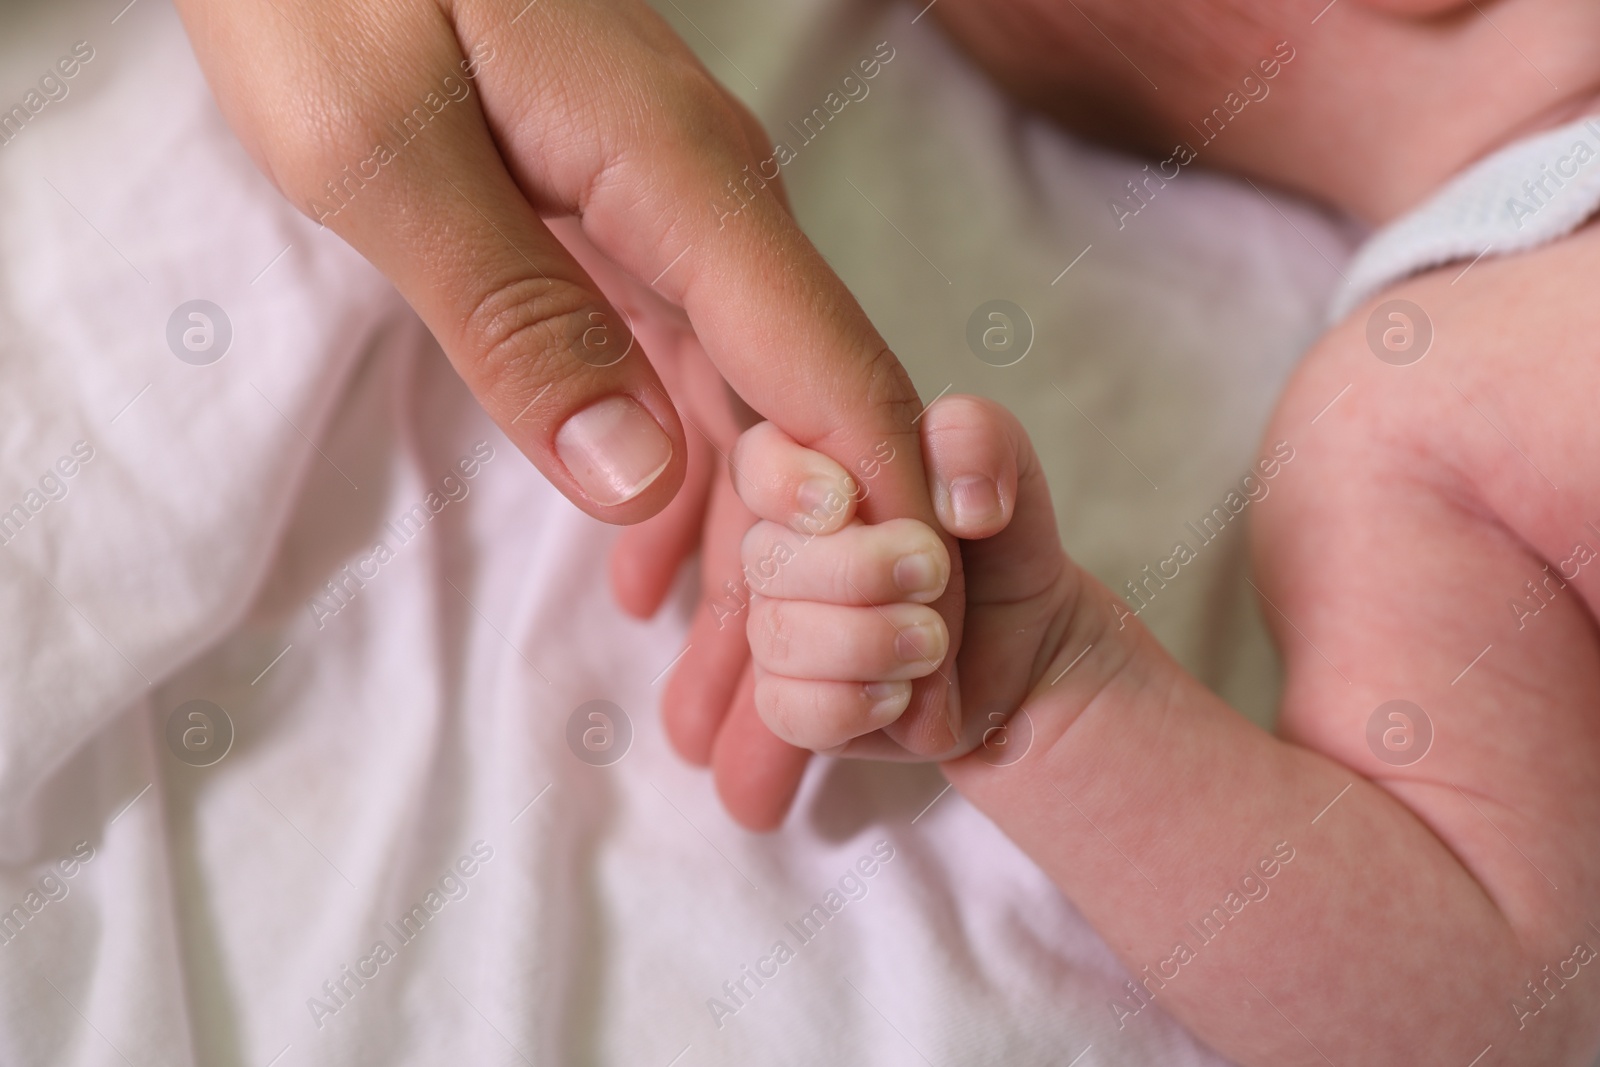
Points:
x=1285, y=908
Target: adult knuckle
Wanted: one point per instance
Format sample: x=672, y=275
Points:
x=319, y=147
x=685, y=112
x=888, y=388
x=308, y=155
x=521, y=330
x=702, y=113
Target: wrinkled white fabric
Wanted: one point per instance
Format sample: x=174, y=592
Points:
x=400, y=770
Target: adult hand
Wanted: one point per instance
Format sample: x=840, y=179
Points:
x=434, y=137
x=709, y=709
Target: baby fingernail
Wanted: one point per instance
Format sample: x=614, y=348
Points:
x=918, y=574
x=889, y=702
x=921, y=643
x=614, y=449
x=975, y=501
x=819, y=501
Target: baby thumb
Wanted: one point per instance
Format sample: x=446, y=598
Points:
x=989, y=491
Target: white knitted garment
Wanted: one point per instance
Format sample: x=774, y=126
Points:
x=1528, y=193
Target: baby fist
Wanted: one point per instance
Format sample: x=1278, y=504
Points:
x=839, y=624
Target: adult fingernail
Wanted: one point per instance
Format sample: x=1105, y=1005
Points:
x=975, y=500
x=919, y=575
x=921, y=643
x=614, y=448
x=889, y=702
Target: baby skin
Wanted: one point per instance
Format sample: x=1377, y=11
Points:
x=1419, y=890
x=1375, y=883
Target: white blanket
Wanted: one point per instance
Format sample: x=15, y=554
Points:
x=399, y=772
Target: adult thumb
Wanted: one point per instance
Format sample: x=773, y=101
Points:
x=396, y=157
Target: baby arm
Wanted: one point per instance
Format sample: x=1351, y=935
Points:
x=1293, y=900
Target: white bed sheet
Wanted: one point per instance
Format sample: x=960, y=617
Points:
x=424, y=724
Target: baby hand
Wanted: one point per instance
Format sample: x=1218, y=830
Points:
x=839, y=624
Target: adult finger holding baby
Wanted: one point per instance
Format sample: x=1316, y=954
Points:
x=436, y=138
